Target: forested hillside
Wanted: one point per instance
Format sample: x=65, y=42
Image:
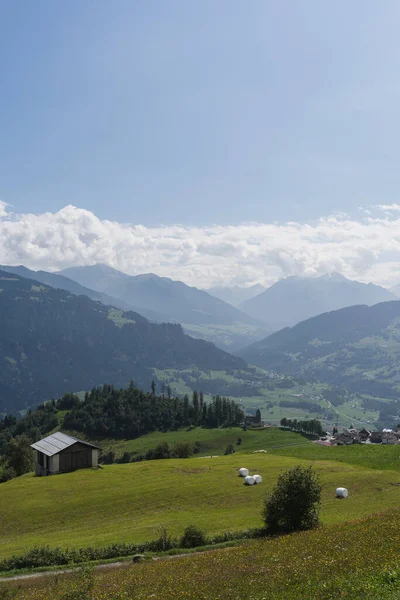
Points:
x=356, y=347
x=64, y=283
x=164, y=300
x=52, y=342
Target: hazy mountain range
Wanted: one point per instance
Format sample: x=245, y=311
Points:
x=294, y=299
x=69, y=337
x=205, y=316
x=165, y=300
x=235, y=295
x=159, y=299
x=52, y=342
x=356, y=347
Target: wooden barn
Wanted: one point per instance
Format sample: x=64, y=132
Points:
x=60, y=453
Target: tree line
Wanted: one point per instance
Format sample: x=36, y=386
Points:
x=109, y=412
x=312, y=427
x=119, y=413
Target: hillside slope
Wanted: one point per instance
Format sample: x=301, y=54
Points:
x=52, y=342
x=124, y=499
x=356, y=347
x=163, y=299
x=295, y=299
x=64, y=283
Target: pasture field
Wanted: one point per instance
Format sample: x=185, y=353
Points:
x=359, y=561
x=129, y=503
x=210, y=441
x=373, y=456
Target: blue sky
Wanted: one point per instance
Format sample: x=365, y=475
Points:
x=200, y=113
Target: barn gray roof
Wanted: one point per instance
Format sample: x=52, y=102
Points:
x=54, y=443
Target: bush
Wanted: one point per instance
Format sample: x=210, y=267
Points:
x=7, y=473
x=125, y=458
x=162, y=543
x=108, y=458
x=193, y=537
x=229, y=449
x=294, y=502
x=239, y=441
x=161, y=451
x=182, y=450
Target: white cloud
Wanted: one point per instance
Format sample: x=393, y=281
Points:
x=388, y=207
x=3, y=209
x=367, y=248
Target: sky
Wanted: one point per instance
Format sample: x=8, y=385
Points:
x=221, y=125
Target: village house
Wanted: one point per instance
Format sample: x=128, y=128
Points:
x=61, y=453
x=347, y=437
x=364, y=434
x=376, y=437
x=390, y=437
x=254, y=421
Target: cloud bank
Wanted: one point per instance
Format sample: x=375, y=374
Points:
x=365, y=248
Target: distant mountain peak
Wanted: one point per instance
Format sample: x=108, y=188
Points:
x=295, y=299
x=333, y=276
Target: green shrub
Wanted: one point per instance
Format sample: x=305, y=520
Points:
x=182, y=450
x=294, y=502
x=108, y=458
x=193, y=537
x=229, y=449
x=6, y=474
x=125, y=458
x=161, y=451
x=162, y=543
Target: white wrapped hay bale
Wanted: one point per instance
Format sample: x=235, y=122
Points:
x=249, y=480
x=341, y=492
x=243, y=472
x=257, y=479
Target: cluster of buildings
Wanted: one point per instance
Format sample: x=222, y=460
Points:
x=361, y=436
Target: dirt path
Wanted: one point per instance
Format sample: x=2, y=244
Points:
x=343, y=414
x=115, y=565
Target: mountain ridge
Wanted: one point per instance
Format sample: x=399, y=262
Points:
x=295, y=299
x=356, y=347
x=200, y=313
x=52, y=342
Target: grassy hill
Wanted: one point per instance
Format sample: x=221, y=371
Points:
x=356, y=562
x=129, y=503
x=209, y=441
x=384, y=457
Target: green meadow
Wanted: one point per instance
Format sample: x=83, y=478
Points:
x=209, y=441
x=359, y=561
x=374, y=456
x=130, y=503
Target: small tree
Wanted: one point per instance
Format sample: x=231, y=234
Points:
x=20, y=455
x=294, y=502
x=161, y=450
x=229, y=449
x=182, y=450
x=192, y=537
